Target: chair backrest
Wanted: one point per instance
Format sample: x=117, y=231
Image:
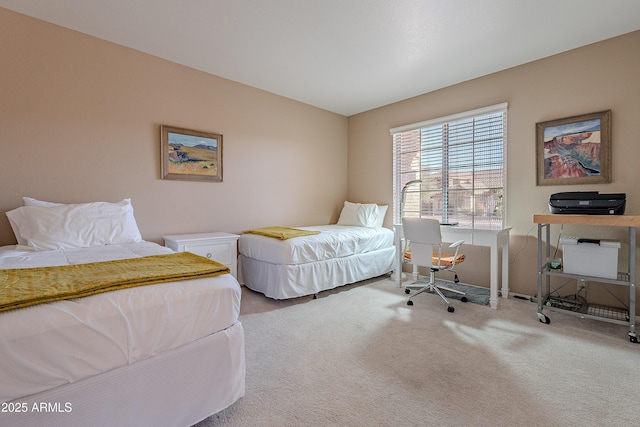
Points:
x=422, y=230
x=423, y=234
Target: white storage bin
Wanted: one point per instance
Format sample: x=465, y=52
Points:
x=590, y=259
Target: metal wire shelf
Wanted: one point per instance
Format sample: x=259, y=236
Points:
x=607, y=312
x=600, y=311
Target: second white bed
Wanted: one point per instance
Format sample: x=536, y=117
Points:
x=300, y=266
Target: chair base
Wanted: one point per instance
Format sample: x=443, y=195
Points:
x=432, y=287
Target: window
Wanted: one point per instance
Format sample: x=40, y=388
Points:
x=454, y=167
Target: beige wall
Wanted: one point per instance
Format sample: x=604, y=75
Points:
x=80, y=118
x=594, y=78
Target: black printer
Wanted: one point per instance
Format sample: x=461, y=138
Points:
x=587, y=202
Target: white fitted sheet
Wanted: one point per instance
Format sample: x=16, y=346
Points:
x=334, y=241
x=49, y=345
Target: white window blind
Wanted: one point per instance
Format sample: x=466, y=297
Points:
x=458, y=168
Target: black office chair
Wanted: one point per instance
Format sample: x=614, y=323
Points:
x=424, y=247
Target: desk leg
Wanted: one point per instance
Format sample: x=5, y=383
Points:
x=397, y=274
x=505, y=266
x=493, y=293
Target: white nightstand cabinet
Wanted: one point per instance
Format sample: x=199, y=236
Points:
x=220, y=247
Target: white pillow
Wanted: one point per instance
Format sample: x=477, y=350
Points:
x=76, y=225
x=16, y=232
x=29, y=201
x=382, y=211
x=362, y=215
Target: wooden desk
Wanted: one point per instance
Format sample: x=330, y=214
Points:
x=495, y=239
x=593, y=220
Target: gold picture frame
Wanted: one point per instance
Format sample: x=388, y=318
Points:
x=574, y=150
x=190, y=155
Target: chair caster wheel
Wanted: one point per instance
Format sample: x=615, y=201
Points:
x=409, y=302
x=451, y=309
x=455, y=279
x=407, y=290
x=464, y=299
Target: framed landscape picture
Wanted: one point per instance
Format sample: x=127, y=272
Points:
x=574, y=150
x=190, y=155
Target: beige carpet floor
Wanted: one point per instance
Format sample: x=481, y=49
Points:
x=359, y=356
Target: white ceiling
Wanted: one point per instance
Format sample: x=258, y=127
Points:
x=345, y=56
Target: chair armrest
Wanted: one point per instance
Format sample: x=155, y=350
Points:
x=456, y=244
x=455, y=255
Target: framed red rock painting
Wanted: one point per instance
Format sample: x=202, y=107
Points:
x=574, y=150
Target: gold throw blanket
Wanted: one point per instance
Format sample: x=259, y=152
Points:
x=281, y=233
x=24, y=287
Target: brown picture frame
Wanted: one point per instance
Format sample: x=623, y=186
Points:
x=190, y=155
x=574, y=150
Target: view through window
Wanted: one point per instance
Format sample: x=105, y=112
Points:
x=453, y=169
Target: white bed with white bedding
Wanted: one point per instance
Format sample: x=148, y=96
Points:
x=166, y=354
x=354, y=249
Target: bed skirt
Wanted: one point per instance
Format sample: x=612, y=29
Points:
x=177, y=388
x=282, y=281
